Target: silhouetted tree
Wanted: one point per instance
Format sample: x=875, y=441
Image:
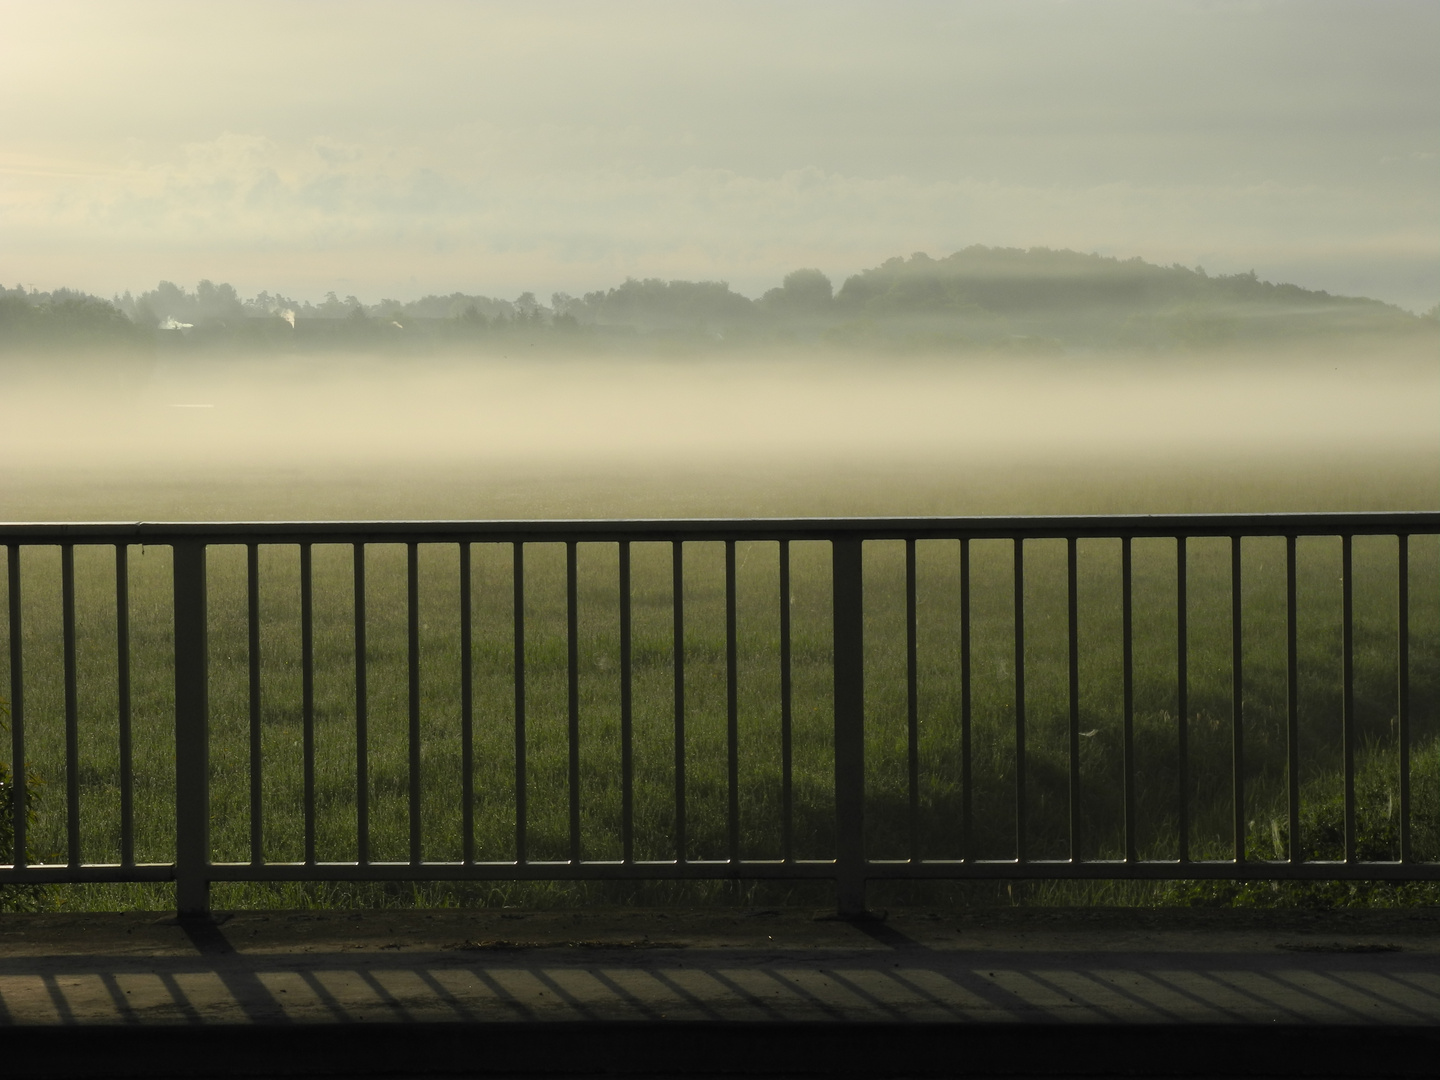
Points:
x=803, y=292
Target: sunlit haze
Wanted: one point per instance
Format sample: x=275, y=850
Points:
x=768, y=435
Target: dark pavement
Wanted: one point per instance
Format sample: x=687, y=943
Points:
x=1102, y=992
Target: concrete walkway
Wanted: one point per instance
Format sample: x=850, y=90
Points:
x=1016, y=992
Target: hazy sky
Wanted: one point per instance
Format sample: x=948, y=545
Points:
x=393, y=149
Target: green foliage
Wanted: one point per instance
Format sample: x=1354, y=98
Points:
x=1322, y=828
x=17, y=897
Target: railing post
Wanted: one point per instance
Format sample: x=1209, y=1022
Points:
x=848, y=613
x=192, y=733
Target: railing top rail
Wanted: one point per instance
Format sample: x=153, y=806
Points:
x=662, y=529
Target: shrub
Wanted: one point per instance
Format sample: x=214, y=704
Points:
x=16, y=897
x=1322, y=827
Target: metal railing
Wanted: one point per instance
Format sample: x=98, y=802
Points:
x=851, y=863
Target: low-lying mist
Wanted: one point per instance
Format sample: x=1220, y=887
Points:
x=770, y=434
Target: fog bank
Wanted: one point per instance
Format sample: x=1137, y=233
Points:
x=772, y=434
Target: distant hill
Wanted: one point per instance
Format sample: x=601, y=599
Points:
x=992, y=294
x=979, y=299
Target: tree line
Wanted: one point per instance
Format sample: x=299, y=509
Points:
x=979, y=298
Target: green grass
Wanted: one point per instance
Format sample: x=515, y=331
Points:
x=940, y=691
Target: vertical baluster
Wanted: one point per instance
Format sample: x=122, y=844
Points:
x=967, y=794
x=1347, y=618
x=787, y=788
x=1237, y=717
x=1402, y=688
x=1296, y=850
x=677, y=572
x=1182, y=695
x=1127, y=660
x=1073, y=663
x=848, y=612
x=252, y=628
x=467, y=713
x=732, y=712
x=72, y=706
x=627, y=711
x=412, y=635
x=362, y=713
x=912, y=701
x=123, y=703
x=518, y=618
x=20, y=806
x=307, y=692
x=1020, y=791
x=192, y=731
x=572, y=660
